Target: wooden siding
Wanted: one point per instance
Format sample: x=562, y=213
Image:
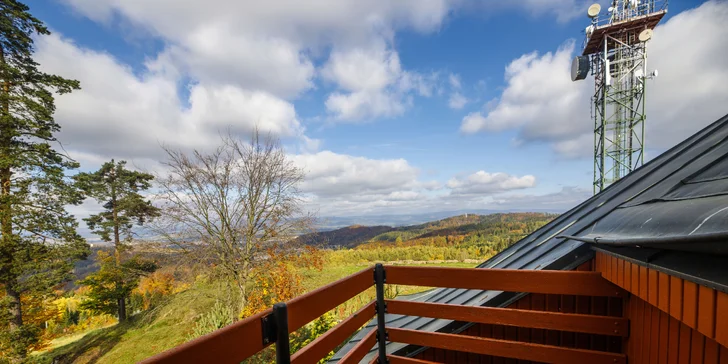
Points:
x=672, y=320
x=541, y=302
x=700, y=308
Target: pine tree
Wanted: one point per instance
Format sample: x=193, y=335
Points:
x=117, y=189
x=38, y=239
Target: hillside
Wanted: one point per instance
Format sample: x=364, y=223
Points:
x=347, y=237
x=502, y=225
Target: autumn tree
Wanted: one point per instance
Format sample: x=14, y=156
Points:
x=38, y=239
x=234, y=208
x=113, y=283
x=118, y=190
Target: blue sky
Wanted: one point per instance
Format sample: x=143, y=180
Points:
x=391, y=107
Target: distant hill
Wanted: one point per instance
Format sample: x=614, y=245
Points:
x=507, y=225
x=347, y=237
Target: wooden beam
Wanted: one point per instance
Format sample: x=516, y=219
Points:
x=531, y=281
x=308, y=307
x=590, y=324
x=503, y=348
x=358, y=352
x=324, y=344
x=394, y=359
x=231, y=344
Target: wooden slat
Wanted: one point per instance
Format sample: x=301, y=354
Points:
x=653, y=288
x=723, y=354
x=308, y=307
x=573, y=322
x=324, y=344
x=690, y=304
x=711, y=352
x=685, y=344
x=646, y=331
x=532, y=281
x=516, y=350
x=636, y=327
x=395, y=359
x=643, y=283
x=654, y=334
x=627, y=276
x=676, y=297
x=664, y=336
x=663, y=299
x=231, y=344
x=721, y=315
x=697, y=348
x=358, y=352
x=673, y=340
x=635, y=286
x=620, y=272
x=706, y=311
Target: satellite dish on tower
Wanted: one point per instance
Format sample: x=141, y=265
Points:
x=645, y=35
x=593, y=10
x=579, y=68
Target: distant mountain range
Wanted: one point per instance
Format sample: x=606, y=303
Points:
x=336, y=222
x=503, y=224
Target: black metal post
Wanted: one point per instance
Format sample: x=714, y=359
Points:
x=283, y=350
x=380, y=277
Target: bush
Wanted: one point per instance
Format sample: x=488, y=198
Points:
x=218, y=317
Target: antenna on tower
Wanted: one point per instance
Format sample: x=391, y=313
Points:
x=615, y=52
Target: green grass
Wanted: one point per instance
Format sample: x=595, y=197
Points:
x=143, y=336
x=167, y=326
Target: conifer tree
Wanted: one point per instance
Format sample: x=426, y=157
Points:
x=117, y=189
x=38, y=239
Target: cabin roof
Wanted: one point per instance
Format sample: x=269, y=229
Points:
x=671, y=213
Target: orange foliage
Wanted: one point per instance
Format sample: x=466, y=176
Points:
x=154, y=285
x=277, y=280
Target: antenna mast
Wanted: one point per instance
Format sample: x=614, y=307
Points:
x=615, y=51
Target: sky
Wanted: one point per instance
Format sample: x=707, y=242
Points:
x=390, y=107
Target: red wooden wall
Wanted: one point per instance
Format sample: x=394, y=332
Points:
x=672, y=320
x=541, y=302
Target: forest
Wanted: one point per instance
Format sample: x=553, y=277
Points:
x=218, y=235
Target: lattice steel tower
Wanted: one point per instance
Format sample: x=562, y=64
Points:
x=615, y=51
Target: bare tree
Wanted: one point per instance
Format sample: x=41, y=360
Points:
x=233, y=206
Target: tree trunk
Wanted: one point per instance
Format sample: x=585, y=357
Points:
x=16, y=315
x=7, y=277
x=122, y=309
x=121, y=301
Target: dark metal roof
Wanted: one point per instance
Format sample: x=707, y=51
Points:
x=682, y=192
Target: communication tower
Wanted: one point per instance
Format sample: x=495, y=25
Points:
x=615, y=52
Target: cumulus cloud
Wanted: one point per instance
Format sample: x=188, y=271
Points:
x=482, y=182
x=340, y=184
x=330, y=174
x=118, y=114
x=543, y=105
x=372, y=83
x=271, y=46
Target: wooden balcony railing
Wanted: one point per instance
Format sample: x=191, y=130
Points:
x=243, y=339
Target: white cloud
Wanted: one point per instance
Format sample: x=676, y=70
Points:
x=457, y=101
x=373, y=83
x=483, y=182
x=542, y=103
x=118, y=114
x=331, y=174
x=267, y=46
x=454, y=80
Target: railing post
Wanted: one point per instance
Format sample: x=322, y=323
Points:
x=283, y=350
x=380, y=277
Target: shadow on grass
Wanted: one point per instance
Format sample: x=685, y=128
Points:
x=89, y=348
